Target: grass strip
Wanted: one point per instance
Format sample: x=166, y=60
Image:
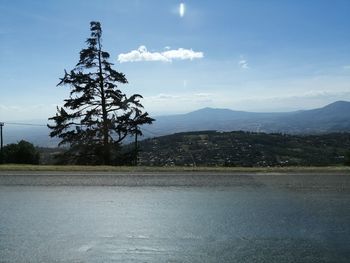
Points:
x=132, y=169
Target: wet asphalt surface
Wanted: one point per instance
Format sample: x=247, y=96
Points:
x=174, y=217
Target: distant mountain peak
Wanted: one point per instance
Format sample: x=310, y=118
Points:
x=209, y=109
x=338, y=104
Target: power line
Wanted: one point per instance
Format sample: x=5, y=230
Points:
x=153, y=133
x=44, y=125
x=25, y=124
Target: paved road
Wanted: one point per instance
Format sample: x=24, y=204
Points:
x=174, y=217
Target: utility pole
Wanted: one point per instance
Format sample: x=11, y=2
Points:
x=2, y=142
x=136, y=147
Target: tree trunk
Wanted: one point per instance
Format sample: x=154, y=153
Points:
x=106, y=147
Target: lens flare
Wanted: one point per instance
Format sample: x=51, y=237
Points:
x=182, y=9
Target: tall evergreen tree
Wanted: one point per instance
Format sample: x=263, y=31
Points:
x=97, y=116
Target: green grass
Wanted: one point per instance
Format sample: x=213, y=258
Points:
x=132, y=169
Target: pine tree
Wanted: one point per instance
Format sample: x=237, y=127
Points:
x=97, y=116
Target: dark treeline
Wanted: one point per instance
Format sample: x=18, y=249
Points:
x=22, y=152
x=210, y=148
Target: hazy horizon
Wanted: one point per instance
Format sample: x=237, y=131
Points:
x=40, y=122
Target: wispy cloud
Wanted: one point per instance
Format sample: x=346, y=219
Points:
x=170, y=103
x=142, y=54
x=175, y=98
x=243, y=63
x=165, y=103
x=163, y=96
x=308, y=100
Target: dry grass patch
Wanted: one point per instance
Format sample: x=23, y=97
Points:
x=131, y=169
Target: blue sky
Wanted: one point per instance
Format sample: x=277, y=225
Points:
x=262, y=55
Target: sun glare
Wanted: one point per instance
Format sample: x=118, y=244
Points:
x=182, y=9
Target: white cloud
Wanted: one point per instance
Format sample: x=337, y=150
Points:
x=182, y=54
x=243, y=64
x=142, y=54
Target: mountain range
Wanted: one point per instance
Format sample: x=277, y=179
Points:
x=334, y=117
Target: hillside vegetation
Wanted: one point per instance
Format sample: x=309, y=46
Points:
x=247, y=149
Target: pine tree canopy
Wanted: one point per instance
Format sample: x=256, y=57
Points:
x=97, y=116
